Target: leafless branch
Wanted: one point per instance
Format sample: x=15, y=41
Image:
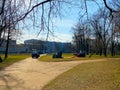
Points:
x=41, y=3
x=110, y=9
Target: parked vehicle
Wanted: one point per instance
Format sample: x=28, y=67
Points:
x=35, y=53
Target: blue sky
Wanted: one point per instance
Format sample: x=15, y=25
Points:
x=62, y=26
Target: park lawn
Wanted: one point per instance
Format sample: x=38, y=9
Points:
x=12, y=58
x=103, y=75
x=71, y=57
x=48, y=58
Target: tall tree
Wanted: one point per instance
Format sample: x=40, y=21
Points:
x=81, y=37
x=102, y=25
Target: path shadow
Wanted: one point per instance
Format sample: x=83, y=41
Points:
x=1, y=68
x=8, y=82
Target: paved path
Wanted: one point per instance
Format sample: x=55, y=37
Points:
x=31, y=74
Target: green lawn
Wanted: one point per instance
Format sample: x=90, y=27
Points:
x=89, y=76
x=12, y=58
x=71, y=57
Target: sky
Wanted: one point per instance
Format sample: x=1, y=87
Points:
x=62, y=31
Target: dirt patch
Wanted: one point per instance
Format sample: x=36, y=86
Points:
x=31, y=74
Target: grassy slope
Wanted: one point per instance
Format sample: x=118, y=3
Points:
x=70, y=57
x=89, y=76
x=12, y=59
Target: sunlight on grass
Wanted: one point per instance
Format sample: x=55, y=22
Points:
x=65, y=57
x=71, y=57
x=89, y=76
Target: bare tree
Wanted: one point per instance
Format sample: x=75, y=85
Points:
x=12, y=12
x=102, y=25
x=81, y=37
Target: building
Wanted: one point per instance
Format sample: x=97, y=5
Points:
x=41, y=46
x=13, y=47
x=47, y=46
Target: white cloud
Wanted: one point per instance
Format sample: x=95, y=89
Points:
x=63, y=23
x=58, y=37
x=61, y=37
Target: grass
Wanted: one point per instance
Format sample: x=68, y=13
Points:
x=12, y=58
x=89, y=76
x=70, y=57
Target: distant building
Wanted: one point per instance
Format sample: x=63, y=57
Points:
x=47, y=46
x=58, y=46
x=41, y=46
x=13, y=47
x=35, y=44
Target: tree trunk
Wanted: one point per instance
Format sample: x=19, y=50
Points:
x=7, y=44
x=100, y=52
x=105, y=51
x=112, y=49
x=7, y=48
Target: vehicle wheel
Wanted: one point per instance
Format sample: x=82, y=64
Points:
x=36, y=57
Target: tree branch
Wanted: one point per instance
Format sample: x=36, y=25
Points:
x=41, y=3
x=106, y=5
x=2, y=9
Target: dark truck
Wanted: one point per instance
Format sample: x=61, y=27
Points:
x=35, y=53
